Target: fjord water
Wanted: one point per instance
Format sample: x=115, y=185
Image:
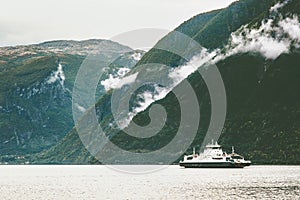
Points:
x=173, y=182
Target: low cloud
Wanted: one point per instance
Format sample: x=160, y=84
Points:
x=119, y=79
x=291, y=26
x=271, y=39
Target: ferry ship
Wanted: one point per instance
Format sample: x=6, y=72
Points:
x=214, y=157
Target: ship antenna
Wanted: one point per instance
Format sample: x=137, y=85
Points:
x=232, y=149
x=194, y=151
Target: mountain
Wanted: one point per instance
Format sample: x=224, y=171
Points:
x=36, y=90
x=255, y=45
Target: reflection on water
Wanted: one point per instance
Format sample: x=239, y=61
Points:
x=100, y=182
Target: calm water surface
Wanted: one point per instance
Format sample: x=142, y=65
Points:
x=100, y=182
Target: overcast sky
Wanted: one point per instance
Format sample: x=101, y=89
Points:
x=34, y=21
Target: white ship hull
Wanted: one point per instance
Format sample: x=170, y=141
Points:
x=213, y=164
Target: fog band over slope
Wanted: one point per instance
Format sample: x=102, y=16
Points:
x=271, y=40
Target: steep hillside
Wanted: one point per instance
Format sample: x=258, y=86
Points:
x=211, y=30
x=261, y=122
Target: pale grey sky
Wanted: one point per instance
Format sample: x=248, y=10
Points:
x=34, y=21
